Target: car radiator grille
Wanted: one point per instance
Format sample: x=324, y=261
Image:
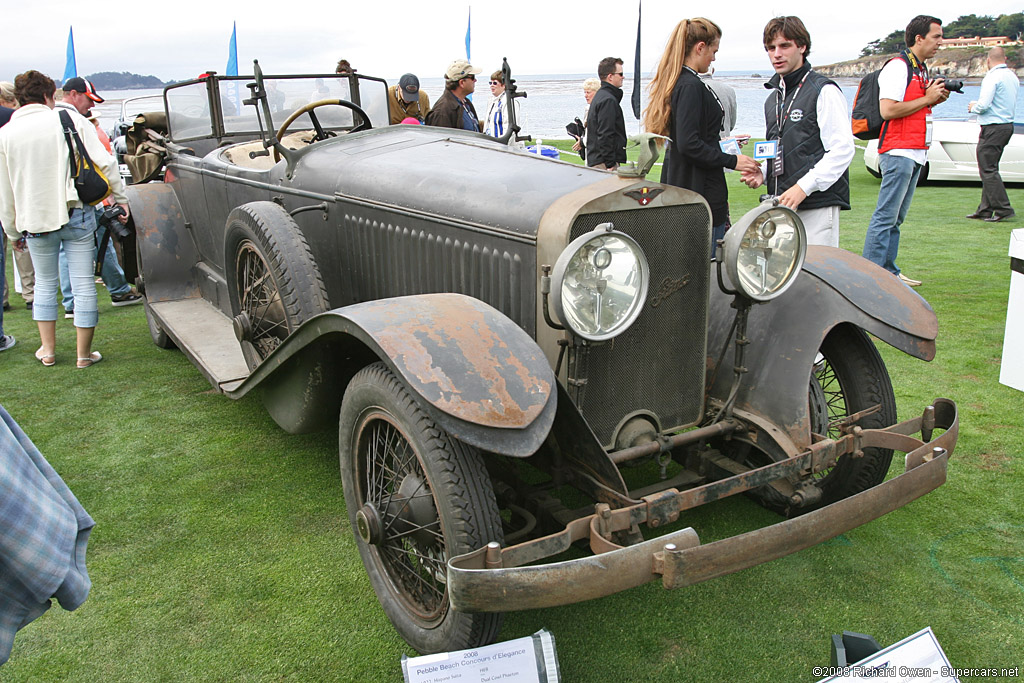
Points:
x=657, y=366
x=387, y=259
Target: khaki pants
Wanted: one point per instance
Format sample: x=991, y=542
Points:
x=25, y=270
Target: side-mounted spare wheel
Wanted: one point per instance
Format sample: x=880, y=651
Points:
x=273, y=282
x=415, y=496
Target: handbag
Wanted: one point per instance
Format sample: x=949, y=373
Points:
x=90, y=182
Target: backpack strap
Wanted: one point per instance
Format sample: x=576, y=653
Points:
x=69, y=130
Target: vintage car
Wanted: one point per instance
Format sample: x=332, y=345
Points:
x=497, y=336
x=953, y=154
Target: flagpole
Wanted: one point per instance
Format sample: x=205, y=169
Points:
x=636, y=70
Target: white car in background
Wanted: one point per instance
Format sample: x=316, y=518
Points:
x=952, y=155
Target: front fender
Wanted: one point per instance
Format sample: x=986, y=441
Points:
x=165, y=245
x=477, y=374
x=835, y=287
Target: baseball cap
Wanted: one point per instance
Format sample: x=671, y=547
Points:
x=409, y=86
x=459, y=69
x=81, y=85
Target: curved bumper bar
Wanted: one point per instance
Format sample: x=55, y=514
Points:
x=490, y=580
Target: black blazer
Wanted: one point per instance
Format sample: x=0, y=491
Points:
x=694, y=160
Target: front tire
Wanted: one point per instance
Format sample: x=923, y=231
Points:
x=851, y=377
x=415, y=498
x=273, y=282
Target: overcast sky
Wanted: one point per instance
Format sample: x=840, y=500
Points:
x=178, y=40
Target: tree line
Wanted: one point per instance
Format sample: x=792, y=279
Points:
x=112, y=80
x=967, y=26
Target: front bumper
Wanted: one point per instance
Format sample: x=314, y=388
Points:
x=493, y=579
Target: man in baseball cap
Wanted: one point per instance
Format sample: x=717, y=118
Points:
x=80, y=94
x=406, y=100
x=454, y=109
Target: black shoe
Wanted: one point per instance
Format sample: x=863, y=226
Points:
x=126, y=299
x=978, y=215
x=995, y=218
x=28, y=305
x=69, y=314
x=7, y=307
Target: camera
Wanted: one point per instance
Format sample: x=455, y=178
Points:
x=953, y=85
x=108, y=219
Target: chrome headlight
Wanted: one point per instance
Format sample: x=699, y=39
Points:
x=764, y=251
x=599, y=283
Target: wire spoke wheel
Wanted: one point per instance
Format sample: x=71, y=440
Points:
x=415, y=497
x=273, y=282
x=848, y=377
x=260, y=300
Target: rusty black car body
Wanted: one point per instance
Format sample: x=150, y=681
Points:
x=396, y=283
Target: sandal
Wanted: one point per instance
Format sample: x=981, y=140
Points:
x=49, y=360
x=92, y=359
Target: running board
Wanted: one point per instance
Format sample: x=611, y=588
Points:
x=206, y=336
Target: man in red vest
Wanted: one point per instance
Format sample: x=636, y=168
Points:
x=905, y=98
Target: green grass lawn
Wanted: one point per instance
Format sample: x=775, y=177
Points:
x=222, y=552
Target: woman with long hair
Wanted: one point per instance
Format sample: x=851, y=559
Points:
x=38, y=201
x=682, y=107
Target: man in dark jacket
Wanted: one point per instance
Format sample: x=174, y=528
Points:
x=606, y=128
x=454, y=108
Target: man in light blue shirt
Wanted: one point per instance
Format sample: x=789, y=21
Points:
x=995, y=109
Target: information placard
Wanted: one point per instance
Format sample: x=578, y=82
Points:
x=915, y=658
x=524, y=660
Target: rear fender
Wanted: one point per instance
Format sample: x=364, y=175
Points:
x=835, y=287
x=475, y=372
x=166, y=248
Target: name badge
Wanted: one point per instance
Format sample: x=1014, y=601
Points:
x=769, y=149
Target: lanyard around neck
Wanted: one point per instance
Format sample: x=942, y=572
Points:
x=780, y=116
x=709, y=88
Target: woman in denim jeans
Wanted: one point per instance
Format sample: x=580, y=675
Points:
x=38, y=200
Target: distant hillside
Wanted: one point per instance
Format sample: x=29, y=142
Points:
x=960, y=63
x=111, y=80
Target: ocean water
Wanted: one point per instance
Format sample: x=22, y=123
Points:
x=554, y=100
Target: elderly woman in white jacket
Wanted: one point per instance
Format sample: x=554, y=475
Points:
x=38, y=201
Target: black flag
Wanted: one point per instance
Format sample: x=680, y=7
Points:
x=636, y=68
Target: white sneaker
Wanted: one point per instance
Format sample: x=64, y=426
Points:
x=909, y=282
x=6, y=342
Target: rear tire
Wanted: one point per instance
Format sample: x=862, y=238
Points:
x=415, y=497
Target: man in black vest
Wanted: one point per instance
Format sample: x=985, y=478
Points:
x=808, y=117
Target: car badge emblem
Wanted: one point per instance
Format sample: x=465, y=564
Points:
x=796, y=115
x=667, y=288
x=645, y=195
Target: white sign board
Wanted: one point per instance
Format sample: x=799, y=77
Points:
x=916, y=658
x=524, y=660
x=1011, y=372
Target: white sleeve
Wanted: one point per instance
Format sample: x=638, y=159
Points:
x=836, y=137
x=892, y=82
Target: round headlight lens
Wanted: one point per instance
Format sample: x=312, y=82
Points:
x=599, y=283
x=765, y=251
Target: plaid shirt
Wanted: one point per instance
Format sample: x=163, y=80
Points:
x=43, y=534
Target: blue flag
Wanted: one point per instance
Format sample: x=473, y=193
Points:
x=232, y=69
x=469, y=23
x=70, y=68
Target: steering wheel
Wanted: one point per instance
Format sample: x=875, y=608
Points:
x=321, y=134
